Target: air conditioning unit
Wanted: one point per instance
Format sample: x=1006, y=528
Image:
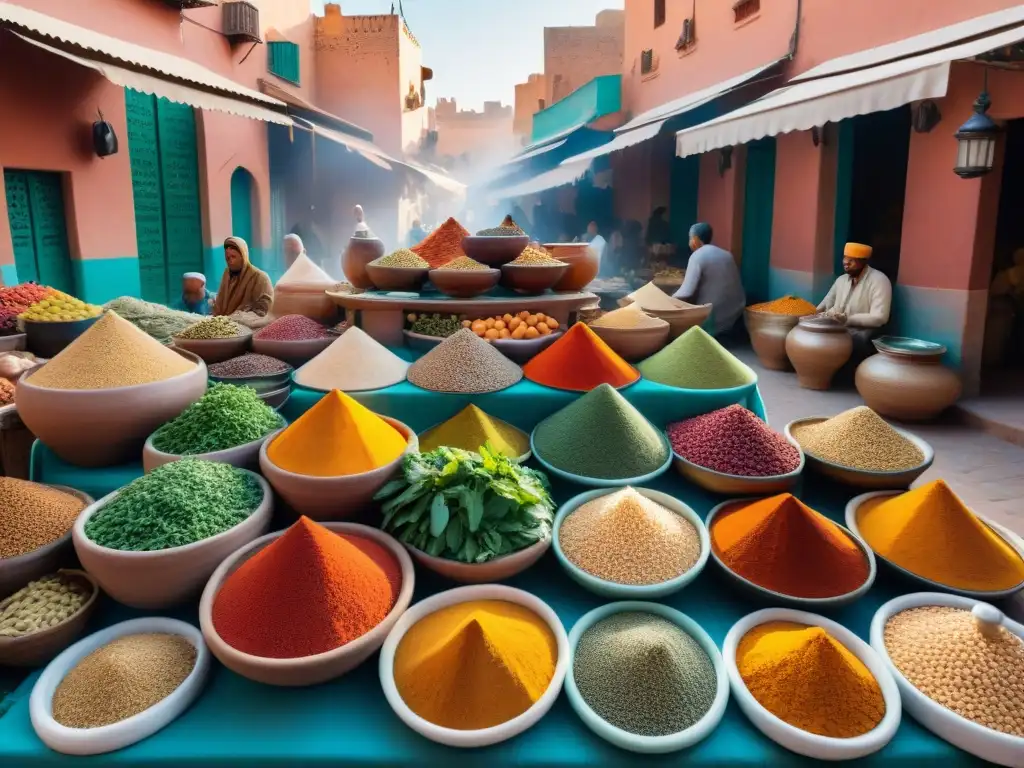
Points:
x=185, y=5
x=241, y=22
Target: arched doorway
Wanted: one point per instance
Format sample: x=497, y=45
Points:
x=242, y=186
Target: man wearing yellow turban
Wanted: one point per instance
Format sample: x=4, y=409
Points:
x=861, y=298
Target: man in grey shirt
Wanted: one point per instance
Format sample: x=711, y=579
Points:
x=712, y=277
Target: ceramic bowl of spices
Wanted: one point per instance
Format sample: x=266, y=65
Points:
x=934, y=640
x=497, y=569
x=512, y=623
x=60, y=604
x=464, y=283
x=246, y=456
x=634, y=704
x=532, y=278
x=909, y=455
x=169, y=575
x=816, y=649
x=397, y=278
x=494, y=250
x=151, y=650
x=812, y=562
x=217, y=350
x=634, y=543
x=305, y=544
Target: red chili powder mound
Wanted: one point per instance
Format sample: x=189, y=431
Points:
x=580, y=361
x=785, y=546
x=734, y=441
x=442, y=245
x=308, y=592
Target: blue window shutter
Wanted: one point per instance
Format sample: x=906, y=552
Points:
x=283, y=60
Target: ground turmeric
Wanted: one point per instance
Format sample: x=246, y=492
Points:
x=807, y=678
x=786, y=305
x=475, y=665
x=470, y=429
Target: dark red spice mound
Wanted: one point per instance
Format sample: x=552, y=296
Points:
x=293, y=328
x=735, y=442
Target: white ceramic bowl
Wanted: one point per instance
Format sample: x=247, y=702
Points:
x=164, y=577
x=617, y=591
x=996, y=747
x=630, y=741
x=245, y=456
x=484, y=736
x=796, y=739
x=108, y=738
x=1012, y=540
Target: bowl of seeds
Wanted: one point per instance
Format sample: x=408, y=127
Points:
x=45, y=616
x=259, y=372
x=401, y=270
x=861, y=449
x=214, y=339
x=494, y=250
x=532, y=271
x=464, y=278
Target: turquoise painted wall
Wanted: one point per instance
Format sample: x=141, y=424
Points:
x=932, y=314
x=601, y=96
x=9, y=274
x=791, y=282
x=100, y=280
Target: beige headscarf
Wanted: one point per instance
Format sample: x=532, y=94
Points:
x=248, y=291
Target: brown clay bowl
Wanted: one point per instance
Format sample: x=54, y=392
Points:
x=294, y=353
x=165, y=577
x=494, y=250
x=634, y=344
x=38, y=647
x=321, y=667
x=498, y=569
x=103, y=427
x=216, y=350
x=246, y=456
x=16, y=572
x=333, y=498
x=464, y=283
x=682, y=320
x=397, y=278
x=531, y=278
x=768, y=333
x=583, y=262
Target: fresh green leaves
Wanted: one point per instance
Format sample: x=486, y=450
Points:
x=470, y=507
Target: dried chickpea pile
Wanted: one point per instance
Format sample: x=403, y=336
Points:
x=41, y=604
x=977, y=673
x=525, y=325
x=33, y=515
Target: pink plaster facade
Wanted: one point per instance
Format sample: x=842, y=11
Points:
x=573, y=56
x=480, y=137
x=531, y=97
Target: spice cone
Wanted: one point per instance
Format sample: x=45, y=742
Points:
x=580, y=361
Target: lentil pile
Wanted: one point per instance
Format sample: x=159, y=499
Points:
x=534, y=256
x=579, y=361
x=443, y=244
x=696, y=361
x=464, y=363
x=600, y=435
x=464, y=263
x=6, y=392
x=212, y=328
x=470, y=429
x=403, y=258
x=111, y=353
x=733, y=441
x=436, y=324
x=175, y=505
x=783, y=545
x=975, y=671
x=33, y=515
x=225, y=417
x=160, y=322
x=355, y=361
x=807, y=678
x=42, y=604
x=929, y=531
x=628, y=317
x=123, y=678
x=652, y=297
x=644, y=674
x=786, y=305
x=249, y=364
x=507, y=228
x=293, y=328
x=626, y=538
x=860, y=439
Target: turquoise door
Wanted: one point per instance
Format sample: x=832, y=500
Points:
x=758, y=204
x=683, y=201
x=844, y=194
x=35, y=211
x=241, y=209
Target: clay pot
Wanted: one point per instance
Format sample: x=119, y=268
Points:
x=360, y=252
x=768, y=333
x=583, y=264
x=817, y=351
x=907, y=387
x=464, y=283
x=311, y=301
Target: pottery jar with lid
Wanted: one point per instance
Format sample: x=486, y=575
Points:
x=363, y=247
x=768, y=331
x=818, y=347
x=906, y=380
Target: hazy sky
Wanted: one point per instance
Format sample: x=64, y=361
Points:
x=479, y=49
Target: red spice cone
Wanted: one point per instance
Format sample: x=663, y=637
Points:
x=580, y=361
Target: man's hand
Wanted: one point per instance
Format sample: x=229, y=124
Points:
x=839, y=317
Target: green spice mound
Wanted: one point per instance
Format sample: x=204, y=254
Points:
x=600, y=435
x=175, y=505
x=225, y=417
x=212, y=328
x=696, y=361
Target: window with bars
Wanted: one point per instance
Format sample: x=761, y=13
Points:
x=647, y=61
x=659, y=13
x=744, y=9
x=688, y=35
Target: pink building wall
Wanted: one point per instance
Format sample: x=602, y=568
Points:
x=573, y=56
x=531, y=97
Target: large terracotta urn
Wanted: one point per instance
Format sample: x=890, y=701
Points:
x=363, y=247
x=818, y=347
x=768, y=331
x=906, y=380
x=583, y=262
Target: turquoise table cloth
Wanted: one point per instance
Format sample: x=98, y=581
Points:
x=348, y=721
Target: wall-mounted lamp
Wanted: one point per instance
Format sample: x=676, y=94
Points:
x=925, y=116
x=976, y=140
x=104, y=139
x=724, y=160
x=818, y=136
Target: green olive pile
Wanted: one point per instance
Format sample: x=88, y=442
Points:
x=40, y=605
x=435, y=324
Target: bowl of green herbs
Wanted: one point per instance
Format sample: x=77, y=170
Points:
x=472, y=517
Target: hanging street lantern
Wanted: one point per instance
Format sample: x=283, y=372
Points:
x=976, y=141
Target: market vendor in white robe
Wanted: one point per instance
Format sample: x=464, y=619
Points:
x=861, y=299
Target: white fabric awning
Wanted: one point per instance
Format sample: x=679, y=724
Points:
x=159, y=62
x=621, y=141
x=809, y=103
x=559, y=176
x=172, y=91
x=438, y=179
